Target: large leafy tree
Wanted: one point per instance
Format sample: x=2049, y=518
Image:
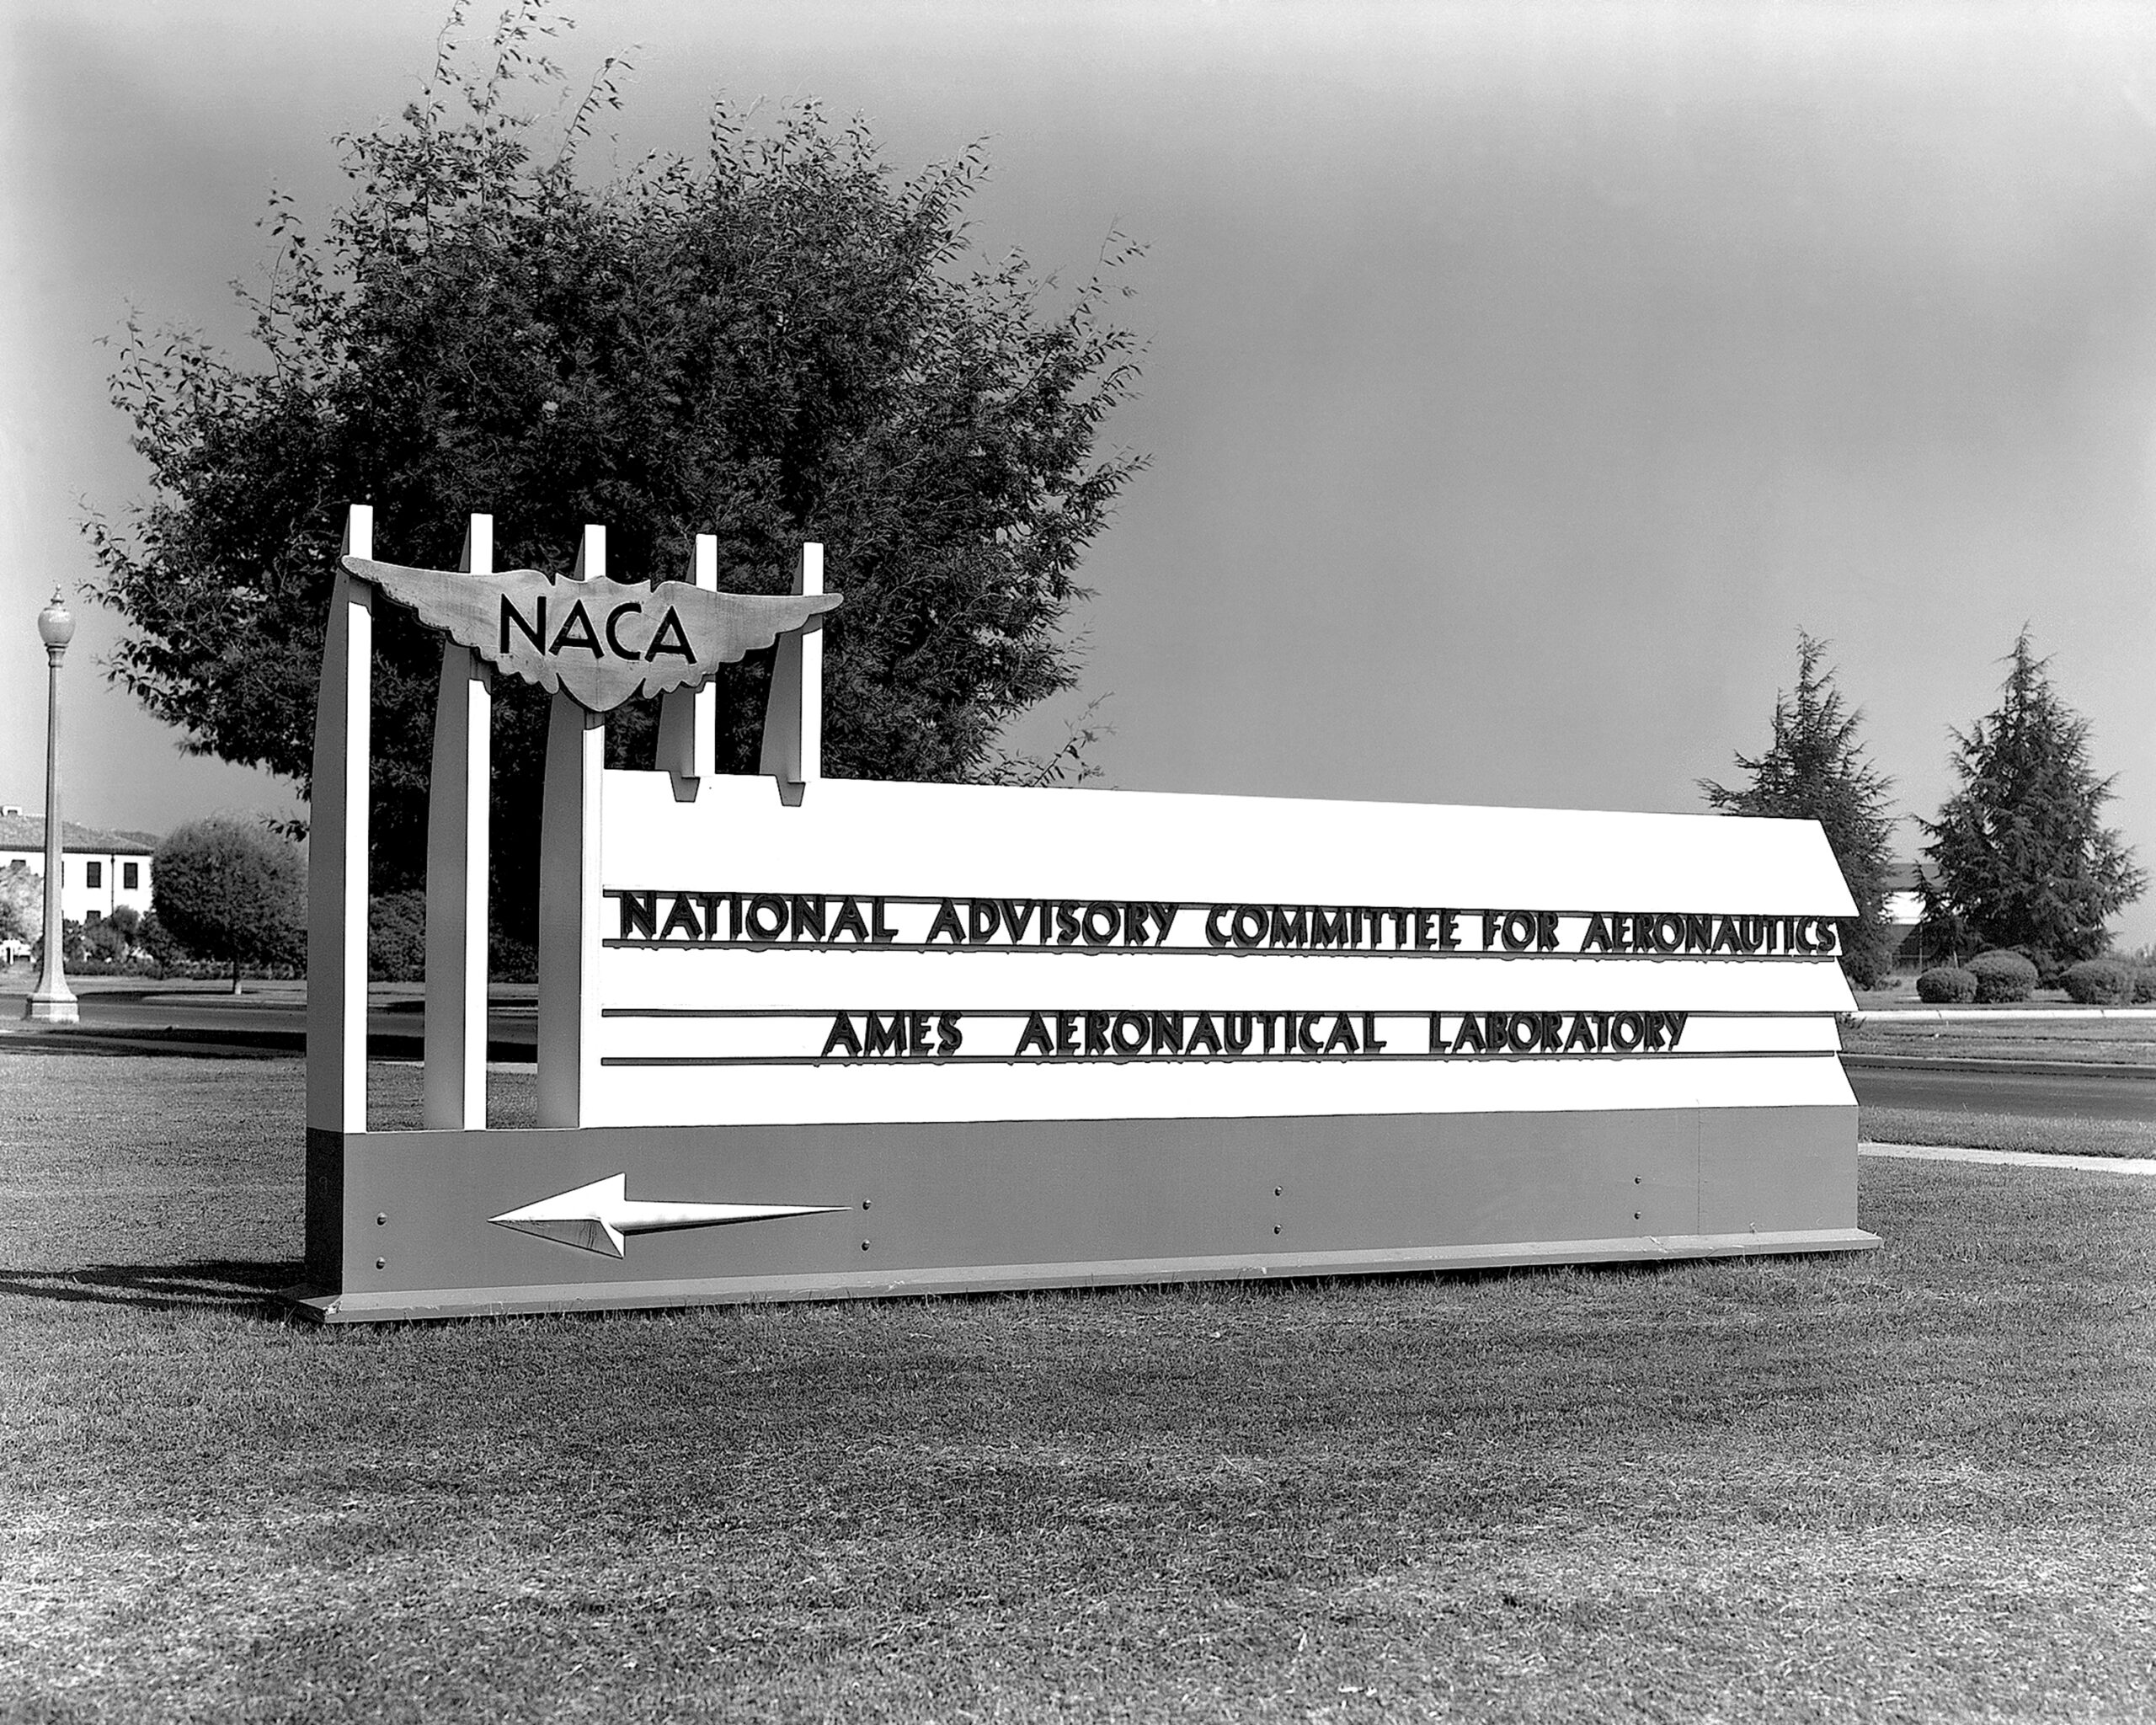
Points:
x=2019, y=856
x=231, y=890
x=1815, y=769
x=775, y=340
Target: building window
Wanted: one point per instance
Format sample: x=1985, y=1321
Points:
x=16, y=865
x=131, y=877
x=93, y=916
x=96, y=875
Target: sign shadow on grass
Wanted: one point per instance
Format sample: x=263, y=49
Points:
x=243, y=1285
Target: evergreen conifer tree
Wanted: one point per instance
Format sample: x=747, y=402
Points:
x=2019, y=856
x=1814, y=769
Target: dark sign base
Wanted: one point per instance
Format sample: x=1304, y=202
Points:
x=967, y=1208
x=504, y=1302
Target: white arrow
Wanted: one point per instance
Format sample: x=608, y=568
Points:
x=596, y=1218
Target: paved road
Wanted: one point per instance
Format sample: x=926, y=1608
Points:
x=2096, y=1097
x=272, y=1020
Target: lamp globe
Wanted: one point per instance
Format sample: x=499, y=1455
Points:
x=56, y=626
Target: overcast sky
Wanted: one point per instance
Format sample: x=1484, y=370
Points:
x=1521, y=378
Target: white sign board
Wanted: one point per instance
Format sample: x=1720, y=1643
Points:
x=904, y=952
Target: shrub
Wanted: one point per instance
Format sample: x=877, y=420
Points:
x=2050, y=970
x=133, y=965
x=214, y=970
x=2101, y=982
x=2144, y=985
x=22, y=904
x=509, y=960
x=1946, y=985
x=397, y=938
x=231, y=890
x=158, y=942
x=2002, y=976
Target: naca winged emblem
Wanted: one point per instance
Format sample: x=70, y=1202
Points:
x=603, y=641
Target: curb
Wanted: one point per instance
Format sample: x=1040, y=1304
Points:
x=1942, y=1015
x=2141, y=1165
x=1986, y=1063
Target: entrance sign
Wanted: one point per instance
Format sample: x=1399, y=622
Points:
x=825, y=1038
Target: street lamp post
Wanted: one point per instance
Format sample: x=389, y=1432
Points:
x=53, y=1002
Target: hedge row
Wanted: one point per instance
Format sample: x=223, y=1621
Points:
x=2004, y=977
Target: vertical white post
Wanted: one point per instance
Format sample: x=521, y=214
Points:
x=337, y=853
x=453, y=1093
x=337, y=904
x=793, y=720
x=688, y=720
x=568, y=886
x=809, y=645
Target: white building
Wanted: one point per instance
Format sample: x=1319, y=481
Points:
x=99, y=871
x=1904, y=901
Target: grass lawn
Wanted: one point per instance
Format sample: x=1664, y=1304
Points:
x=1976, y=1131
x=1912, y=1485
x=2123, y=1042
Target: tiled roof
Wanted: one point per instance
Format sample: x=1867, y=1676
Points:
x=26, y=832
